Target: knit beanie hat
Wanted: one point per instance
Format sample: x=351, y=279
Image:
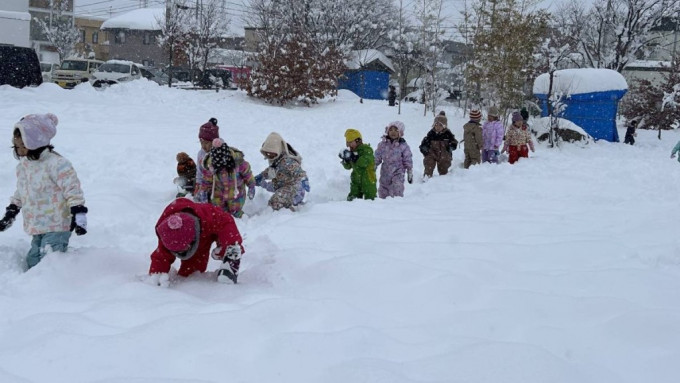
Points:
x=37, y=129
x=493, y=111
x=440, y=119
x=221, y=156
x=397, y=124
x=475, y=115
x=178, y=233
x=517, y=117
x=352, y=135
x=209, y=131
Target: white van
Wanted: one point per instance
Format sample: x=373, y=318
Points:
x=114, y=72
x=47, y=70
x=74, y=71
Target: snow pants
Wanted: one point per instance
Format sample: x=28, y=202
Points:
x=42, y=244
x=490, y=155
x=437, y=158
x=517, y=152
x=629, y=139
x=391, y=185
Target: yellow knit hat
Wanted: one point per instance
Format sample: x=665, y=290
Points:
x=352, y=135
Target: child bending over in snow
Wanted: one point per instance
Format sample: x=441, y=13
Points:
x=48, y=190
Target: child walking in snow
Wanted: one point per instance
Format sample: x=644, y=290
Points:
x=493, y=133
x=284, y=176
x=437, y=146
x=48, y=189
x=186, y=230
x=518, y=139
x=359, y=158
x=472, y=138
x=225, y=176
x=394, y=154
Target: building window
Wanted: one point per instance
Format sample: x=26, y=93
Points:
x=119, y=38
x=147, y=38
x=82, y=36
x=95, y=37
x=147, y=63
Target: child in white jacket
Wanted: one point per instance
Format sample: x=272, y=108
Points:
x=48, y=190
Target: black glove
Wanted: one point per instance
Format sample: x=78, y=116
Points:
x=424, y=149
x=348, y=156
x=78, y=219
x=10, y=214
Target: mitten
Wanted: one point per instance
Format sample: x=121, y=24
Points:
x=305, y=184
x=258, y=179
x=673, y=155
x=217, y=253
x=251, y=192
x=424, y=149
x=233, y=252
x=10, y=214
x=79, y=219
x=346, y=155
x=409, y=176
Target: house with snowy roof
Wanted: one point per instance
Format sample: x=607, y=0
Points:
x=133, y=36
x=590, y=97
x=368, y=74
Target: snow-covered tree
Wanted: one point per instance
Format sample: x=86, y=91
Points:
x=59, y=28
x=206, y=27
x=429, y=18
x=506, y=39
x=174, y=37
x=405, y=49
x=612, y=33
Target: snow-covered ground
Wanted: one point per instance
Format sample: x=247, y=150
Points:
x=562, y=268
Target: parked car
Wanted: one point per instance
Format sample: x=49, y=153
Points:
x=154, y=75
x=47, y=70
x=114, y=72
x=216, y=78
x=74, y=71
x=19, y=66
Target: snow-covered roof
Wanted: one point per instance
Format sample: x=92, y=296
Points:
x=145, y=19
x=24, y=16
x=649, y=64
x=579, y=81
x=363, y=57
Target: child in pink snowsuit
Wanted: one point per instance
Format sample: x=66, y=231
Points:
x=493, y=133
x=395, y=156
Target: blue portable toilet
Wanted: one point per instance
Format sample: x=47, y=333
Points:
x=368, y=74
x=591, y=97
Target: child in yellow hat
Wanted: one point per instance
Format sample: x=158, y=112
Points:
x=359, y=158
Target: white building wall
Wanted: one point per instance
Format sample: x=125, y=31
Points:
x=15, y=23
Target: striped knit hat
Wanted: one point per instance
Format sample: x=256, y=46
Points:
x=475, y=114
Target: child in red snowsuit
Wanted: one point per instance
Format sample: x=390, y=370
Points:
x=186, y=231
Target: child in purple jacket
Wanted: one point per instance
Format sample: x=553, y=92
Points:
x=395, y=156
x=492, y=132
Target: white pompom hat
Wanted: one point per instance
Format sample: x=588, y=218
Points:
x=37, y=129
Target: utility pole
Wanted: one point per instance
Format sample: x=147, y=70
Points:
x=675, y=38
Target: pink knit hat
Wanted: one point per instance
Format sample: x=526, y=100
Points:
x=209, y=131
x=178, y=232
x=397, y=124
x=37, y=129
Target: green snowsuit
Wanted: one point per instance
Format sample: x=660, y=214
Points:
x=363, y=174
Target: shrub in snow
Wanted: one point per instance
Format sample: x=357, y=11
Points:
x=564, y=131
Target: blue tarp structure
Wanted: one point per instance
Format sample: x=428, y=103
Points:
x=594, y=111
x=374, y=87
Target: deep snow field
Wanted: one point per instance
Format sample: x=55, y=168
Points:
x=562, y=268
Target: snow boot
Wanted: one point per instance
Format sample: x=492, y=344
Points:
x=226, y=273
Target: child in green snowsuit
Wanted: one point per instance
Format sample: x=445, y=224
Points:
x=359, y=158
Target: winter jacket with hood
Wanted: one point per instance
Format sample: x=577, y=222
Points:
x=284, y=176
x=493, y=133
x=215, y=226
x=46, y=190
x=472, y=137
x=394, y=158
x=362, y=179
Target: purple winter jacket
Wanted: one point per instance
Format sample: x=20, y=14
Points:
x=396, y=158
x=493, y=132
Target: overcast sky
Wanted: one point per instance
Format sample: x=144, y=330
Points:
x=236, y=8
